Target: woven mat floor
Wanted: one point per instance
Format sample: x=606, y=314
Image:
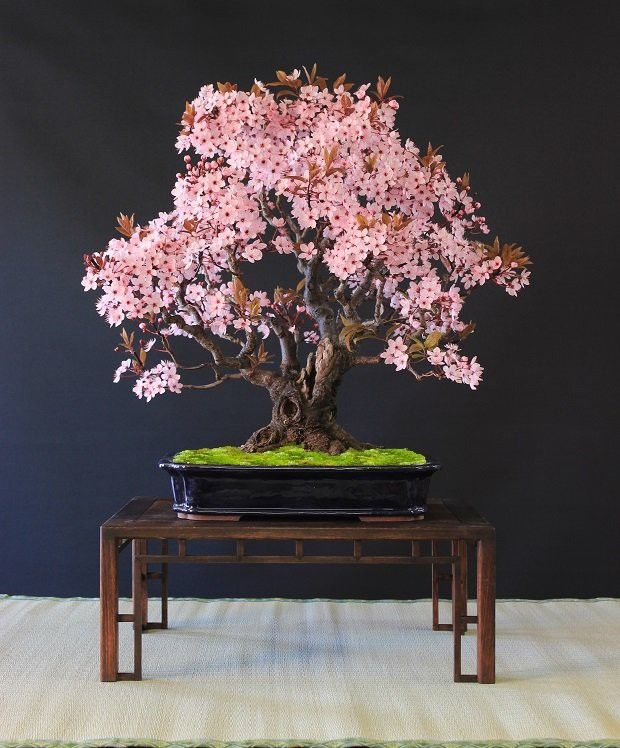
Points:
x=269, y=670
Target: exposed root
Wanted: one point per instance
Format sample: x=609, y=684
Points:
x=334, y=440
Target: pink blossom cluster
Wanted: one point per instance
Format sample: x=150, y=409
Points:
x=319, y=174
x=161, y=378
x=456, y=367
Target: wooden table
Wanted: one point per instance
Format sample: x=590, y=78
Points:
x=441, y=539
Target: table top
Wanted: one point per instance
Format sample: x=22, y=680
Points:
x=152, y=517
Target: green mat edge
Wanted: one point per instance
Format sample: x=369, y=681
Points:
x=154, y=598
x=350, y=743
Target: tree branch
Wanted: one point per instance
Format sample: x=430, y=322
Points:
x=211, y=385
x=260, y=377
x=288, y=345
x=379, y=302
x=248, y=369
x=206, y=341
x=251, y=343
x=362, y=291
x=314, y=298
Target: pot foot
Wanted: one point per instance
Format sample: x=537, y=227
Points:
x=210, y=517
x=374, y=518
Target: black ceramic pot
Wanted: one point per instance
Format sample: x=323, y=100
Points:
x=346, y=491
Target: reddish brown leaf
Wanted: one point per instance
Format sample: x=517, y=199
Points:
x=125, y=225
x=226, y=87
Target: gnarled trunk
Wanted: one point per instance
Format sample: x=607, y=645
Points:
x=304, y=406
x=294, y=420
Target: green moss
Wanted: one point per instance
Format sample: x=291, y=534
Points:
x=295, y=455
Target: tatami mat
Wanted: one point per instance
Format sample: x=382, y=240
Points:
x=318, y=670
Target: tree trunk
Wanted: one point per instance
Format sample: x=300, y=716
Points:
x=304, y=407
x=297, y=421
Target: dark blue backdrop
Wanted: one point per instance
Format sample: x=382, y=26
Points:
x=521, y=94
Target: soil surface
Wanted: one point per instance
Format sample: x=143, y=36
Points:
x=294, y=455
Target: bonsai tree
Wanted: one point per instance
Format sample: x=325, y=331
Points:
x=386, y=247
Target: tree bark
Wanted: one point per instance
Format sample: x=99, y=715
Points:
x=304, y=406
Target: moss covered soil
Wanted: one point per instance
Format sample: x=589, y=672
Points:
x=293, y=455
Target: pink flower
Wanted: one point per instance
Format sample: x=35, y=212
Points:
x=460, y=369
x=252, y=252
x=283, y=245
x=114, y=316
x=396, y=353
x=124, y=367
x=242, y=323
x=472, y=374
x=307, y=251
x=89, y=281
x=436, y=356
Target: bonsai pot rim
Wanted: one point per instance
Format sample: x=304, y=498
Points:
x=167, y=461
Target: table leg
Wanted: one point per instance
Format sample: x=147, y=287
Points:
x=138, y=585
x=459, y=548
x=141, y=545
x=164, y=586
x=108, y=605
x=162, y=575
x=437, y=577
x=485, y=594
x=456, y=613
x=435, y=587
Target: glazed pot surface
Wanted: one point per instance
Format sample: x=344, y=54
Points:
x=299, y=490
